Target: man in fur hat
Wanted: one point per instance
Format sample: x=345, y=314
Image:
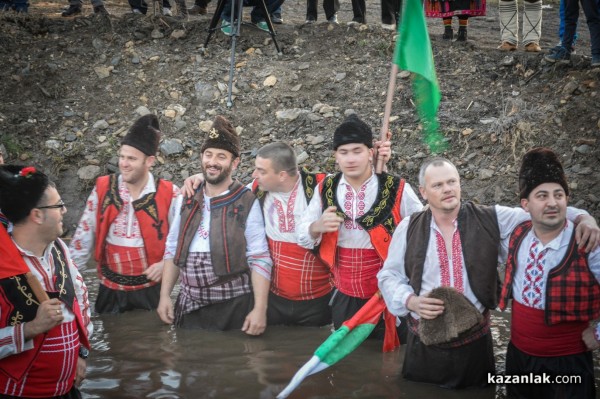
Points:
x=43, y=342
x=125, y=224
x=452, y=244
x=554, y=286
x=217, y=244
x=352, y=218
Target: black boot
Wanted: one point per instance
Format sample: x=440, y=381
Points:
x=448, y=33
x=462, y=34
x=72, y=10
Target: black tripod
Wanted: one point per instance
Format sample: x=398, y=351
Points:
x=235, y=25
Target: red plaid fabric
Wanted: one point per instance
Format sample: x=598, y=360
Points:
x=53, y=371
x=200, y=286
x=355, y=271
x=572, y=291
x=297, y=274
x=124, y=261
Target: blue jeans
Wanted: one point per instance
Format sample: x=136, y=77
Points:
x=561, y=27
x=256, y=15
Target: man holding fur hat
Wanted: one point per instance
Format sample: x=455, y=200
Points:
x=44, y=310
x=554, y=286
x=125, y=224
x=351, y=221
x=217, y=244
x=452, y=244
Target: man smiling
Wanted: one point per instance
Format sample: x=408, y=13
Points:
x=125, y=224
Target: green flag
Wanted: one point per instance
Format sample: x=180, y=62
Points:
x=413, y=53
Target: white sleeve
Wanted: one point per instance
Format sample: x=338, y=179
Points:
x=171, y=244
x=257, y=248
x=410, y=201
x=12, y=340
x=313, y=213
x=392, y=280
x=82, y=244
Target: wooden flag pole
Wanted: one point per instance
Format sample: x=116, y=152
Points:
x=36, y=287
x=385, y=134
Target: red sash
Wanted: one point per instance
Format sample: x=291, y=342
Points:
x=297, y=273
x=355, y=271
x=52, y=373
x=530, y=334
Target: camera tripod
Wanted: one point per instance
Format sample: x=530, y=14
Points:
x=235, y=24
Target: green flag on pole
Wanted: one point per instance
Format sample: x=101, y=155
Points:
x=413, y=53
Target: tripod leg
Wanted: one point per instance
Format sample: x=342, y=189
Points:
x=236, y=34
x=212, y=27
x=267, y=14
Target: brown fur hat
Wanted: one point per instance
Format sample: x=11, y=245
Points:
x=459, y=316
x=144, y=135
x=539, y=166
x=223, y=136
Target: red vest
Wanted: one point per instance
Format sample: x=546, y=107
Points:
x=151, y=211
x=572, y=292
x=379, y=222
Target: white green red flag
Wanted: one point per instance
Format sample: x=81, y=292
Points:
x=344, y=340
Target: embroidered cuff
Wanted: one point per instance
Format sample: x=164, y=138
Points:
x=19, y=339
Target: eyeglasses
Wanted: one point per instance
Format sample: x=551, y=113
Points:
x=57, y=206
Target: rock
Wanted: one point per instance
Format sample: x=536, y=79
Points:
x=302, y=157
x=53, y=144
x=339, y=76
x=205, y=92
x=288, y=114
x=70, y=137
x=571, y=87
x=178, y=34
x=101, y=139
x=585, y=171
x=583, y=149
x=404, y=74
x=135, y=60
x=102, y=72
x=89, y=172
x=507, y=61
x=180, y=124
x=115, y=61
x=314, y=140
x=485, y=174
x=156, y=34
x=171, y=147
x=488, y=121
x=101, y=125
x=142, y=110
x=270, y=81
x=303, y=65
x=326, y=109
x=97, y=43
x=205, y=126
x=296, y=88
x=179, y=109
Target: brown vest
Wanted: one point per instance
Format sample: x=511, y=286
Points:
x=228, y=215
x=479, y=237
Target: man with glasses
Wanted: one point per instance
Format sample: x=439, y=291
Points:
x=125, y=224
x=43, y=342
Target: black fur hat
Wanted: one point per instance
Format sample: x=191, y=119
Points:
x=223, y=136
x=539, y=166
x=21, y=189
x=144, y=135
x=352, y=130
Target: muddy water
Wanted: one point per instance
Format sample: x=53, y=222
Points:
x=136, y=356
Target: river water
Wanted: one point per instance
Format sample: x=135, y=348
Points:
x=135, y=355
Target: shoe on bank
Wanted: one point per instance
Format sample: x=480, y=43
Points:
x=262, y=25
x=71, y=11
x=226, y=28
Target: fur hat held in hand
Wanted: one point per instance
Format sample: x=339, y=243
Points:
x=539, y=166
x=144, y=135
x=223, y=136
x=351, y=131
x=459, y=316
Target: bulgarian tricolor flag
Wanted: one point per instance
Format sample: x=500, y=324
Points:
x=347, y=338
